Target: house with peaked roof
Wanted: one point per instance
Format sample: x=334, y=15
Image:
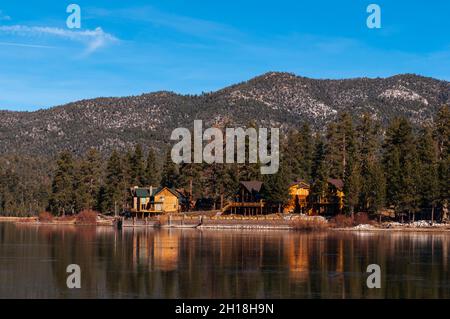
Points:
x=331, y=202
x=298, y=197
x=155, y=200
x=248, y=200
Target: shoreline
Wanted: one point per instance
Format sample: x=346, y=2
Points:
x=243, y=224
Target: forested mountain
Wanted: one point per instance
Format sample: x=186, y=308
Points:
x=273, y=99
x=386, y=139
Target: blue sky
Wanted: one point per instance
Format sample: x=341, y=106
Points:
x=134, y=47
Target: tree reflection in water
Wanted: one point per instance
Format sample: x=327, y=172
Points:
x=192, y=263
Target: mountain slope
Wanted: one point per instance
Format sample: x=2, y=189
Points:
x=273, y=99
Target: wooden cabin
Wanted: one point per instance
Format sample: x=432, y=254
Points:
x=247, y=200
x=152, y=200
x=330, y=202
x=298, y=198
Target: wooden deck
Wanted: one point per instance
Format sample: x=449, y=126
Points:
x=250, y=208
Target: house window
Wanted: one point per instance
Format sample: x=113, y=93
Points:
x=162, y=198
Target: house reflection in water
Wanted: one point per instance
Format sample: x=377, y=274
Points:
x=166, y=250
x=159, y=250
x=296, y=248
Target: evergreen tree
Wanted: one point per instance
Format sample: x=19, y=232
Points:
x=10, y=192
x=151, y=173
x=88, y=181
x=62, y=197
x=136, y=166
x=401, y=167
x=372, y=191
x=170, y=174
x=116, y=187
x=291, y=148
x=428, y=172
x=442, y=136
x=319, y=171
x=276, y=186
x=340, y=146
x=306, y=152
x=352, y=186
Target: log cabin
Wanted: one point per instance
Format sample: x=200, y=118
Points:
x=298, y=198
x=330, y=202
x=248, y=200
x=155, y=200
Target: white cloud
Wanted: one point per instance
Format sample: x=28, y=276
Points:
x=4, y=16
x=92, y=39
x=26, y=45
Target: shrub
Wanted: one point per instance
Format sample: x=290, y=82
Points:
x=45, y=217
x=87, y=217
x=362, y=219
x=309, y=224
x=342, y=221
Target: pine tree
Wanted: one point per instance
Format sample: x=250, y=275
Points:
x=170, y=174
x=291, y=148
x=442, y=136
x=376, y=188
x=276, y=186
x=340, y=146
x=88, y=181
x=372, y=191
x=319, y=171
x=428, y=172
x=352, y=186
x=306, y=152
x=62, y=197
x=151, y=173
x=115, y=184
x=136, y=166
x=401, y=167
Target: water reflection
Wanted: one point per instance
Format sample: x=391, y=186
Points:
x=147, y=263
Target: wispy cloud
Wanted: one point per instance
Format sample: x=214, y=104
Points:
x=92, y=39
x=4, y=17
x=196, y=27
x=27, y=45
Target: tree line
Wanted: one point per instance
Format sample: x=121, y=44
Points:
x=403, y=167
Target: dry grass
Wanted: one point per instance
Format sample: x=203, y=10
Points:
x=87, y=217
x=343, y=221
x=362, y=219
x=45, y=217
x=309, y=224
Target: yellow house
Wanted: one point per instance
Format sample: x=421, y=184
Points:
x=151, y=200
x=298, y=201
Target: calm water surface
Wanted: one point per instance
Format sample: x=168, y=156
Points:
x=190, y=263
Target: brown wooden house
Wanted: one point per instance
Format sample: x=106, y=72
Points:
x=155, y=200
x=247, y=200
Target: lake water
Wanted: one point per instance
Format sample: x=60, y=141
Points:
x=192, y=263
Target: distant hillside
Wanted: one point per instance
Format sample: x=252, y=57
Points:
x=273, y=99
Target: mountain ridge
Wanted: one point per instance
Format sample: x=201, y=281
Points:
x=278, y=99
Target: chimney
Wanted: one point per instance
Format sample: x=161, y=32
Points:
x=151, y=190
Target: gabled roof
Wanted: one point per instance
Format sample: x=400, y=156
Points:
x=173, y=191
x=144, y=192
x=336, y=182
x=252, y=186
x=301, y=182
